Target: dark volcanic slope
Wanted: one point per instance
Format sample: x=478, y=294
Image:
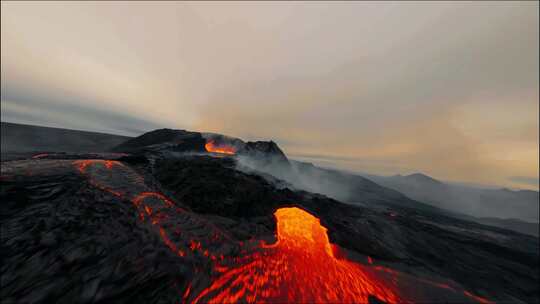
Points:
x=172, y=230
x=511, y=224
x=201, y=181
x=26, y=138
x=64, y=241
x=172, y=140
x=469, y=253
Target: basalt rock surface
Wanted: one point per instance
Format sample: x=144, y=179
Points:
x=125, y=229
x=268, y=150
x=164, y=139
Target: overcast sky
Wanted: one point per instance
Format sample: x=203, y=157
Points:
x=447, y=89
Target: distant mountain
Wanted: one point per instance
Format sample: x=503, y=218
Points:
x=28, y=138
x=420, y=178
x=484, y=203
x=343, y=186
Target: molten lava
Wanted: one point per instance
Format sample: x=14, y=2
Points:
x=82, y=165
x=301, y=268
x=212, y=146
x=304, y=267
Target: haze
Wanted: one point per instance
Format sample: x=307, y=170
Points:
x=447, y=89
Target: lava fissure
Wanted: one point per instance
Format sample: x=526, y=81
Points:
x=212, y=146
x=302, y=266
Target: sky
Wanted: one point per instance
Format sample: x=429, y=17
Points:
x=449, y=89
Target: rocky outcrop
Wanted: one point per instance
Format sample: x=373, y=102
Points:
x=264, y=150
x=164, y=139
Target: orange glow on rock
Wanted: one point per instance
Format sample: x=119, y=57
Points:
x=302, y=266
x=82, y=165
x=211, y=146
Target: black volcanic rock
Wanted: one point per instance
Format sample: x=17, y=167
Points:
x=213, y=185
x=65, y=241
x=422, y=178
x=79, y=230
x=265, y=151
x=164, y=139
x=67, y=238
x=511, y=224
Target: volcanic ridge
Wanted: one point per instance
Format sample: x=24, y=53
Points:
x=175, y=216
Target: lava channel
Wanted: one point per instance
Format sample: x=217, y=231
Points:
x=304, y=267
x=211, y=146
x=300, y=267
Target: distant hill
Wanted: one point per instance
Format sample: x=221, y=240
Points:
x=477, y=202
x=28, y=138
x=163, y=139
x=419, y=178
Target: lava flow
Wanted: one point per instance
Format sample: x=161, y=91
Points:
x=300, y=267
x=211, y=146
x=304, y=267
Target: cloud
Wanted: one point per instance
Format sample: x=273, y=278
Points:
x=450, y=89
x=24, y=105
x=531, y=181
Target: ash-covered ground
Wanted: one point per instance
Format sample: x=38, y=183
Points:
x=163, y=219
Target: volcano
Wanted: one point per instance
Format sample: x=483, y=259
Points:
x=177, y=216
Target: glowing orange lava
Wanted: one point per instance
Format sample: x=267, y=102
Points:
x=83, y=164
x=211, y=146
x=304, y=267
x=301, y=268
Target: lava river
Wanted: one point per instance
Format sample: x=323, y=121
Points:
x=299, y=267
x=302, y=266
